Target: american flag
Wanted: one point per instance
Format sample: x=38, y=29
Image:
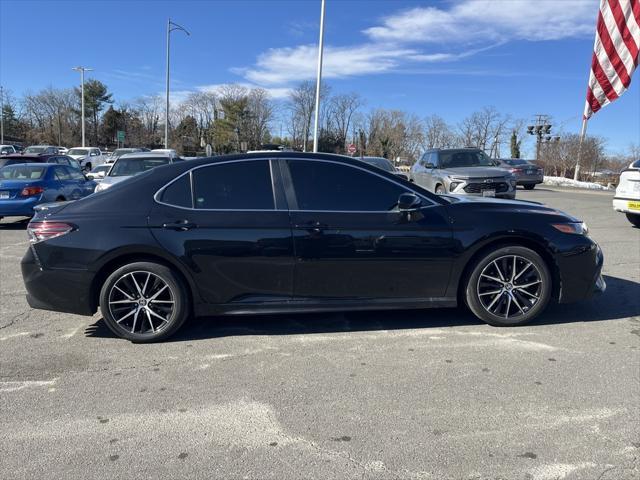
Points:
x=615, y=53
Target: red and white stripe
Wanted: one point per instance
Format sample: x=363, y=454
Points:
x=615, y=53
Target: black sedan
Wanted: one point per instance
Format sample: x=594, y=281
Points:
x=291, y=232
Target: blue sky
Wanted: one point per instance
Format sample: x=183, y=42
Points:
x=431, y=57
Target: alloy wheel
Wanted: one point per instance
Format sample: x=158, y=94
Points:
x=509, y=286
x=141, y=302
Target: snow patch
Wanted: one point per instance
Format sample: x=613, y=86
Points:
x=569, y=182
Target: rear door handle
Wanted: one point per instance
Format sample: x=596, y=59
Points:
x=180, y=225
x=313, y=226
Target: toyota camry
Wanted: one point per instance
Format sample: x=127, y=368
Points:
x=291, y=232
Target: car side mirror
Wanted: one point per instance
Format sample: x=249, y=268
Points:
x=408, y=201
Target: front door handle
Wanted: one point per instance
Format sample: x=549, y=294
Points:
x=313, y=226
x=180, y=225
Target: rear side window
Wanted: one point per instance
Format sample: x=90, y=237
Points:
x=178, y=193
x=329, y=186
x=234, y=186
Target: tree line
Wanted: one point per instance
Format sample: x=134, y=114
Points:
x=235, y=118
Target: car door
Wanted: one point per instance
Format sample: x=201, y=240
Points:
x=228, y=224
x=352, y=243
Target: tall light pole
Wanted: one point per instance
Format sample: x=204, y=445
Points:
x=170, y=28
x=1, y=116
x=319, y=79
x=82, y=70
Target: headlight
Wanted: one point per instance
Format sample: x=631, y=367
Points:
x=577, y=228
x=453, y=186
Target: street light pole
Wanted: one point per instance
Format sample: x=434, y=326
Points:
x=319, y=79
x=82, y=70
x=170, y=28
x=1, y=116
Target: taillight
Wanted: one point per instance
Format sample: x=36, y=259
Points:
x=516, y=170
x=41, y=231
x=31, y=191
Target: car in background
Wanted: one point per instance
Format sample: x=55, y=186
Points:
x=58, y=159
x=118, y=152
x=41, y=150
x=87, y=157
x=97, y=173
x=7, y=149
x=527, y=174
x=63, y=150
x=19, y=148
x=26, y=185
x=383, y=164
x=168, y=151
x=294, y=232
x=133, y=164
x=627, y=197
x=465, y=171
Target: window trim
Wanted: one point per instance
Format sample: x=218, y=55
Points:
x=291, y=188
x=160, y=191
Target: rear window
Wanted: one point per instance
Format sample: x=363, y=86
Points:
x=22, y=172
x=125, y=167
x=234, y=186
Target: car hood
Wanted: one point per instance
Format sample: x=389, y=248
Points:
x=476, y=172
x=77, y=157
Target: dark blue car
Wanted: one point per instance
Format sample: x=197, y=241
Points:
x=23, y=186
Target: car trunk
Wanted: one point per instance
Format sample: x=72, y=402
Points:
x=10, y=189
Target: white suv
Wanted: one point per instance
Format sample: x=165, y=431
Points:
x=627, y=199
x=87, y=157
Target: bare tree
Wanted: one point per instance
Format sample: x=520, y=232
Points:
x=341, y=109
x=261, y=113
x=438, y=134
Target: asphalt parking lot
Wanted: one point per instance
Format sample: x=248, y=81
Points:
x=420, y=394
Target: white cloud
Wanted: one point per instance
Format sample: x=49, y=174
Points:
x=274, y=92
x=478, y=21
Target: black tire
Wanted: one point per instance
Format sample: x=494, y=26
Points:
x=634, y=218
x=477, y=299
x=88, y=167
x=61, y=199
x=440, y=190
x=529, y=186
x=175, y=293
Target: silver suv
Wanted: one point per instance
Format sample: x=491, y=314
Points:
x=466, y=171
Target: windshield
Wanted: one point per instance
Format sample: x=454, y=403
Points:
x=121, y=151
x=379, y=162
x=78, y=151
x=100, y=168
x=132, y=166
x=461, y=159
x=22, y=172
x=34, y=149
x=636, y=164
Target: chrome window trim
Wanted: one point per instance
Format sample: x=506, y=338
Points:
x=158, y=194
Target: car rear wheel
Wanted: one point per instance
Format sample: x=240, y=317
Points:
x=440, y=190
x=634, y=218
x=144, y=302
x=529, y=186
x=509, y=286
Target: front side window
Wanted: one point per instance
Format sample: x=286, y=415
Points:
x=327, y=186
x=234, y=186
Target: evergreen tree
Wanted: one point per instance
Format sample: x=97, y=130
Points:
x=515, y=145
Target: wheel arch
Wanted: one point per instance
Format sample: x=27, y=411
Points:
x=121, y=258
x=520, y=240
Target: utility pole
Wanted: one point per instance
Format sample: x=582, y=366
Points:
x=82, y=70
x=170, y=28
x=542, y=130
x=318, y=79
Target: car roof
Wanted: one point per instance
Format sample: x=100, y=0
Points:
x=148, y=155
x=38, y=158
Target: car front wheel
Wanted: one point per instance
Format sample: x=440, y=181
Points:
x=634, y=218
x=440, y=190
x=144, y=302
x=509, y=286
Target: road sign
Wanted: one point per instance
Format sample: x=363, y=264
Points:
x=351, y=149
x=120, y=135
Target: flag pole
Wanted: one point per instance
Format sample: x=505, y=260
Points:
x=583, y=133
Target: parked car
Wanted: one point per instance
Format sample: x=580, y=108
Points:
x=19, y=148
x=24, y=186
x=16, y=158
x=294, y=232
x=7, y=149
x=465, y=171
x=627, y=198
x=63, y=150
x=168, y=151
x=132, y=164
x=41, y=150
x=87, y=157
x=98, y=172
x=384, y=164
x=527, y=174
x=118, y=152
